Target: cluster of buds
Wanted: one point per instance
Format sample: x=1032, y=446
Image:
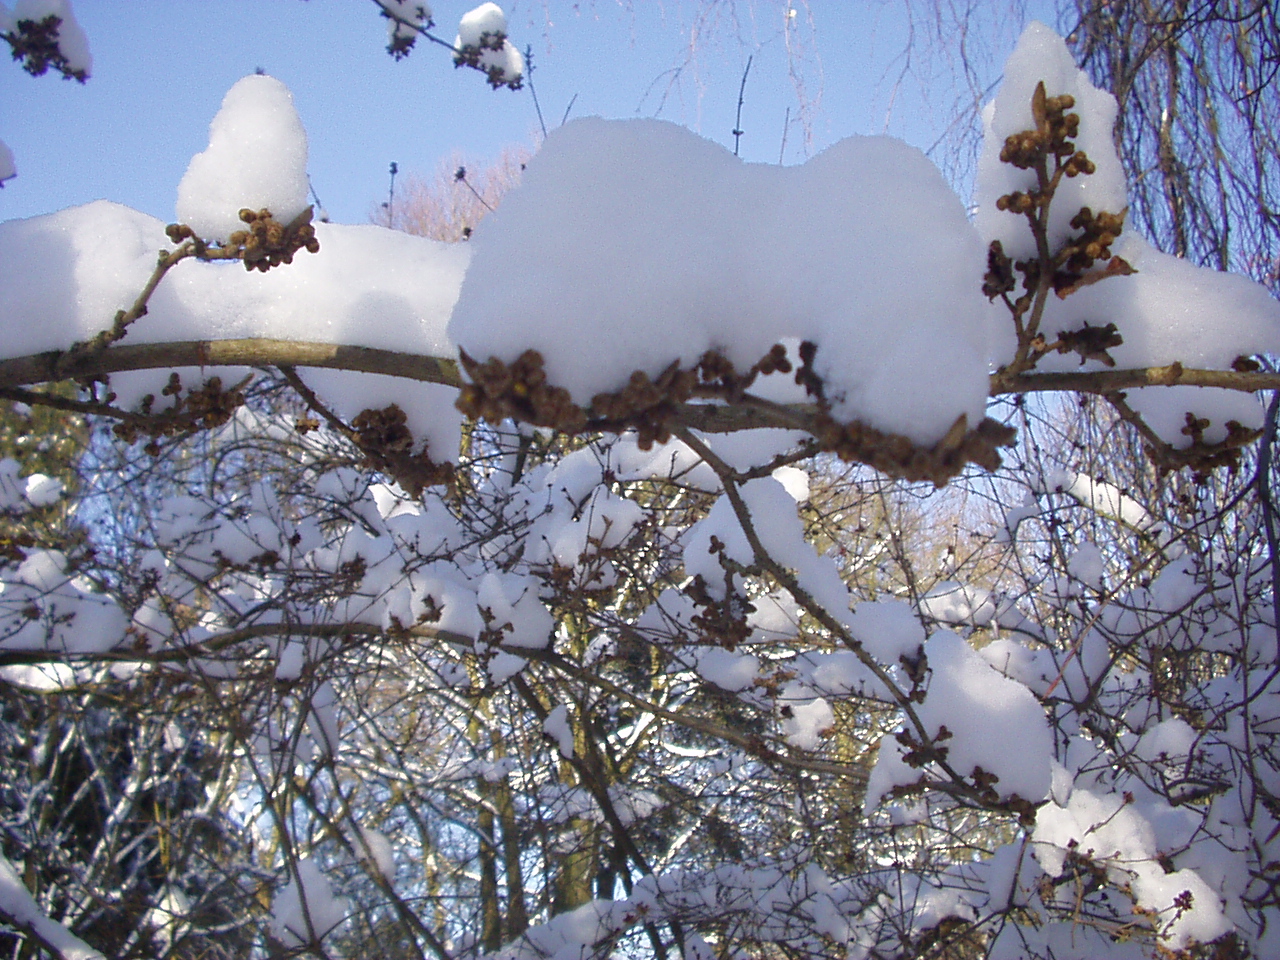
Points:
x=1203, y=457
x=268, y=243
x=35, y=45
x=717, y=373
x=481, y=56
x=518, y=391
x=265, y=244
x=720, y=623
x=646, y=404
x=1055, y=129
x=204, y=409
x=1091, y=343
x=897, y=456
x=1094, y=243
x=1053, y=136
x=383, y=436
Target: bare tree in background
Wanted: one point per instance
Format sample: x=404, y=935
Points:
x=456, y=198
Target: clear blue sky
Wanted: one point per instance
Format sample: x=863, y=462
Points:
x=161, y=68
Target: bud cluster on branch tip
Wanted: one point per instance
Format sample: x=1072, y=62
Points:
x=519, y=392
x=475, y=57
x=646, y=404
x=265, y=244
x=1051, y=136
x=383, y=436
x=1094, y=243
x=720, y=623
x=268, y=242
x=35, y=44
x=1203, y=457
x=404, y=22
x=1091, y=343
x=204, y=409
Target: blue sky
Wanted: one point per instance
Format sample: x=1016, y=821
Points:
x=161, y=68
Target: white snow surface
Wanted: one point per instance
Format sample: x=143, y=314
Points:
x=73, y=43
x=646, y=245
x=323, y=909
x=995, y=723
x=487, y=18
x=256, y=158
x=410, y=11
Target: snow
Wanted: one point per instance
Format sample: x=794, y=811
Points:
x=478, y=36
x=556, y=726
x=308, y=896
x=256, y=159
x=487, y=18
x=728, y=669
x=73, y=43
x=1111, y=830
x=805, y=720
x=19, y=907
x=994, y=722
x=795, y=481
x=375, y=848
x=569, y=259
x=888, y=629
x=43, y=491
x=414, y=12
x=1042, y=55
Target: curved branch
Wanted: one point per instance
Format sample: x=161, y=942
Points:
x=252, y=352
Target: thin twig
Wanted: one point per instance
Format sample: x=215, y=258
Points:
x=737, y=123
x=528, y=75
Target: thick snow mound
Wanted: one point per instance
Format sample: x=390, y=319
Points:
x=1042, y=56
x=63, y=276
x=257, y=157
x=637, y=244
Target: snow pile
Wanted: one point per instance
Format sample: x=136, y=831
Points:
x=306, y=909
x=257, y=158
x=647, y=245
x=991, y=722
x=556, y=727
x=1042, y=55
x=1107, y=828
x=43, y=606
x=402, y=17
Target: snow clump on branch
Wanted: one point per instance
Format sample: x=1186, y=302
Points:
x=44, y=34
x=655, y=246
x=256, y=159
x=482, y=43
x=1167, y=311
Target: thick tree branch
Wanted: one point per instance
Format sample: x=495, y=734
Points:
x=1102, y=382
